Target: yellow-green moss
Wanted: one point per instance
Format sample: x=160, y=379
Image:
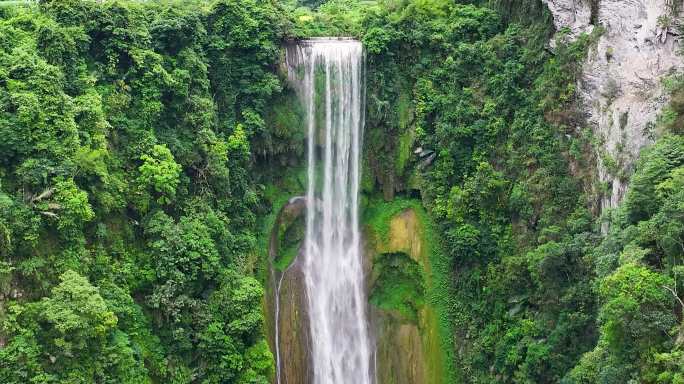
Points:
x=403, y=151
x=434, y=317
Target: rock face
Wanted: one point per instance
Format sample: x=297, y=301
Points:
x=620, y=86
x=572, y=14
x=400, y=355
x=286, y=304
x=408, y=351
x=293, y=332
x=393, y=333
x=419, y=360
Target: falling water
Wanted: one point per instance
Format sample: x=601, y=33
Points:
x=328, y=74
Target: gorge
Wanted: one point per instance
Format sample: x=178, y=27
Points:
x=438, y=191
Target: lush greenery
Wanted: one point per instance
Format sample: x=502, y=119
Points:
x=537, y=294
x=484, y=95
x=414, y=288
x=128, y=202
x=146, y=147
x=639, y=268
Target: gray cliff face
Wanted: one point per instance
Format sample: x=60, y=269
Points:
x=621, y=87
x=572, y=14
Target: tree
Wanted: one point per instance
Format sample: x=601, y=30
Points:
x=71, y=337
x=159, y=173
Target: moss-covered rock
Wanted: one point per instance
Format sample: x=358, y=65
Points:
x=287, y=233
x=399, y=285
x=293, y=323
x=286, y=302
x=402, y=317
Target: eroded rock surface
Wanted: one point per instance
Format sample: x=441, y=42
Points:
x=293, y=324
x=572, y=14
x=419, y=359
x=621, y=83
x=399, y=350
x=286, y=304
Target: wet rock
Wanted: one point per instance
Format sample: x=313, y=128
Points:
x=286, y=304
x=294, y=338
x=407, y=350
x=399, y=350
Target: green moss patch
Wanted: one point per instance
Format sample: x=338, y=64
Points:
x=290, y=236
x=398, y=289
x=276, y=194
x=399, y=285
x=378, y=213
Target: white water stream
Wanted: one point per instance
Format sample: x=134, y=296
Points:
x=328, y=74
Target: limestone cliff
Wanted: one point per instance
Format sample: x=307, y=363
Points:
x=621, y=87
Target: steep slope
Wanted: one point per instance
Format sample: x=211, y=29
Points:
x=621, y=84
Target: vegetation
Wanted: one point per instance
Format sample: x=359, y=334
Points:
x=128, y=205
x=532, y=295
x=399, y=285
x=416, y=291
x=146, y=147
x=495, y=108
x=638, y=278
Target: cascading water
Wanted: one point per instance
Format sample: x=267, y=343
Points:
x=328, y=73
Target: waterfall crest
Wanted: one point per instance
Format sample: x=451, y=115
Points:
x=328, y=75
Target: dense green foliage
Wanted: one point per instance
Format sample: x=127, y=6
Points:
x=533, y=285
x=639, y=267
x=487, y=98
x=145, y=148
x=128, y=204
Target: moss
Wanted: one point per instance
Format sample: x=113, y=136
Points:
x=403, y=152
x=290, y=238
x=441, y=361
x=367, y=179
x=378, y=213
x=276, y=194
x=285, y=257
x=435, y=317
x=403, y=108
x=399, y=284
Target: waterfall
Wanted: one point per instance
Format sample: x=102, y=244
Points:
x=328, y=74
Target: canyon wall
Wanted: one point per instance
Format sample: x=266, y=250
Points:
x=621, y=86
